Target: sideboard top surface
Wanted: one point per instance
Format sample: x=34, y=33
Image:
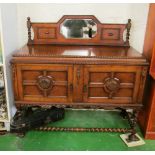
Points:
x=86, y=54
x=77, y=51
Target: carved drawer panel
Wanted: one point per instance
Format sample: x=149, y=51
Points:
x=47, y=33
x=110, y=34
x=112, y=84
x=43, y=83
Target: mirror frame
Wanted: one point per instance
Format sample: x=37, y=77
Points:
x=87, y=33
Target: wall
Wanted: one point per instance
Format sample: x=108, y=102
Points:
x=138, y=14
x=9, y=44
x=110, y=13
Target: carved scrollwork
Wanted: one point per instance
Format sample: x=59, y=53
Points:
x=111, y=85
x=45, y=82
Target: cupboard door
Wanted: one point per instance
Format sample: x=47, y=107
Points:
x=45, y=83
x=111, y=84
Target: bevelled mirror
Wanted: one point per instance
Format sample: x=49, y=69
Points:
x=78, y=28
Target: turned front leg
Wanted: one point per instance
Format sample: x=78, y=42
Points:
x=132, y=118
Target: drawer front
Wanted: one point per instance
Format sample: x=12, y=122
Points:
x=110, y=34
x=47, y=83
x=111, y=84
x=47, y=33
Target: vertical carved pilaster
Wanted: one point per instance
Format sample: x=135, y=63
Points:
x=128, y=27
x=13, y=71
x=144, y=72
x=14, y=79
x=29, y=30
x=78, y=74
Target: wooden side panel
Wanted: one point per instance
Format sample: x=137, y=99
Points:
x=149, y=120
x=147, y=116
x=152, y=67
x=112, y=84
x=151, y=126
x=150, y=33
x=45, y=83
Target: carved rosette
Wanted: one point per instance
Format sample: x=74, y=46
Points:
x=111, y=86
x=45, y=83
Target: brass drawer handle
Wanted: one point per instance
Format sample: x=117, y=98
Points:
x=110, y=34
x=47, y=32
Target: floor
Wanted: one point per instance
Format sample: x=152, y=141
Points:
x=37, y=140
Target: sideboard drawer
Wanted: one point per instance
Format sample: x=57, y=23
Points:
x=44, y=83
x=112, y=84
x=47, y=33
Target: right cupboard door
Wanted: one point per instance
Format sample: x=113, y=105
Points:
x=111, y=84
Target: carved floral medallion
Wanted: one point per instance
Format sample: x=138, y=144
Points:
x=111, y=85
x=45, y=82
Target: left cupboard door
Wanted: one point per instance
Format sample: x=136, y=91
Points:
x=45, y=84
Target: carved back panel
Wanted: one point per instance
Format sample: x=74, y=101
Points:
x=107, y=34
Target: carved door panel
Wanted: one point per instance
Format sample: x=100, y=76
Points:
x=111, y=84
x=45, y=83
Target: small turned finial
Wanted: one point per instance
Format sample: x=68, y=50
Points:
x=129, y=20
x=29, y=30
x=128, y=27
x=28, y=23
